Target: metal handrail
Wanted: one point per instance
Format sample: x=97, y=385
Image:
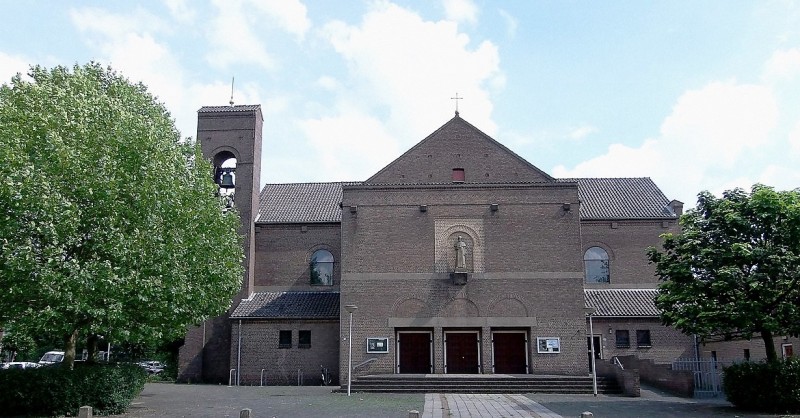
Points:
x=230, y=377
x=618, y=363
x=364, y=363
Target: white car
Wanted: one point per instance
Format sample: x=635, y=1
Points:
x=51, y=357
x=152, y=367
x=20, y=365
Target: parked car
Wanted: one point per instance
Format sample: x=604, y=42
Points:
x=152, y=367
x=51, y=357
x=20, y=365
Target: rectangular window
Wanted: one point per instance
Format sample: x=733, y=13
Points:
x=458, y=175
x=285, y=339
x=643, y=338
x=304, y=339
x=623, y=338
x=747, y=354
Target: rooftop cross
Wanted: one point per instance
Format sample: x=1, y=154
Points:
x=456, y=99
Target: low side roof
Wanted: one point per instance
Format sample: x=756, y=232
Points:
x=301, y=203
x=622, y=302
x=289, y=305
x=621, y=198
x=601, y=198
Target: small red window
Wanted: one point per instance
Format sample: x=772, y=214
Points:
x=458, y=175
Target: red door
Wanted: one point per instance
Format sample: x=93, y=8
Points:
x=510, y=352
x=461, y=354
x=414, y=352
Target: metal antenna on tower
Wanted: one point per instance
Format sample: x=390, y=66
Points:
x=231, y=102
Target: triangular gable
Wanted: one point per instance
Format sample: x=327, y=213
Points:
x=457, y=145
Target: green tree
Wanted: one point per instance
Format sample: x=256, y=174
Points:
x=109, y=223
x=734, y=268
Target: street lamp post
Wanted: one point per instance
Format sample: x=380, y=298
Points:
x=590, y=311
x=350, y=309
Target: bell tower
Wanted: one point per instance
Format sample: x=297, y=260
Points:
x=229, y=136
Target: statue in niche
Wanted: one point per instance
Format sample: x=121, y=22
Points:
x=461, y=258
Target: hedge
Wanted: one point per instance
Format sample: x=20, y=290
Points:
x=766, y=386
x=56, y=390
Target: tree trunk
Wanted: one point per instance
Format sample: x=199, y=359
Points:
x=769, y=345
x=69, y=349
x=91, y=348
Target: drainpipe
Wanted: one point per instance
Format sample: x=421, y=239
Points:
x=239, y=354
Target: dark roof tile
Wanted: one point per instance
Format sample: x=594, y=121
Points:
x=300, y=203
x=289, y=305
x=601, y=198
x=622, y=302
x=238, y=108
x=621, y=198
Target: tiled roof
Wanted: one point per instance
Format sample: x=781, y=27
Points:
x=289, y=305
x=622, y=302
x=300, y=203
x=238, y=108
x=621, y=198
x=601, y=198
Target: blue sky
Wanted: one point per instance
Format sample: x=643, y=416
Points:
x=697, y=95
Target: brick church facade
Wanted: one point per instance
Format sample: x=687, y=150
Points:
x=458, y=257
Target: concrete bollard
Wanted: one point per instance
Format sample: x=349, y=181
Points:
x=245, y=413
x=587, y=414
x=413, y=413
x=85, y=412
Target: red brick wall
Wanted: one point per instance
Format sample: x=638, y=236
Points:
x=529, y=277
x=626, y=243
x=259, y=350
x=283, y=253
x=667, y=343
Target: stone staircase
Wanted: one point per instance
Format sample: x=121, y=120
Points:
x=447, y=383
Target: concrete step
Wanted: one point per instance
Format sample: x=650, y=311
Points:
x=479, y=384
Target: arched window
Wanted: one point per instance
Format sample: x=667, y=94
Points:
x=595, y=263
x=321, y=267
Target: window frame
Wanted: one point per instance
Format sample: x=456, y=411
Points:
x=597, y=264
x=643, y=342
x=622, y=338
x=282, y=344
x=316, y=268
x=300, y=337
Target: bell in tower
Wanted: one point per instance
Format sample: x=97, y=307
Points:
x=225, y=177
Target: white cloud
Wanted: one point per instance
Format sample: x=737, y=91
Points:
x=349, y=144
x=582, y=132
x=328, y=83
x=404, y=69
x=460, y=10
x=782, y=65
x=511, y=23
x=239, y=31
x=232, y=38
x=413, y=67
x=11, y=65
x=182, y=10
x=710, y=133
x=794, y=140
x=291, y=15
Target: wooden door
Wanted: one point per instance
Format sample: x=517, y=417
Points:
x=414, y=352
x=510, y=352
x=461, y=352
